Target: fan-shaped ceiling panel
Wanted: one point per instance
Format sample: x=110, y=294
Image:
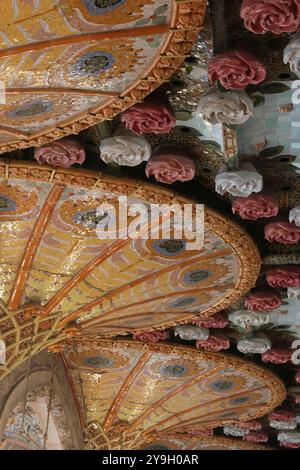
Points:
x=68, y=64
x=131, y=392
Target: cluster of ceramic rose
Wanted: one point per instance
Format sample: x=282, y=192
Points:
x=259, y=304
x=249, y=431
x=207, y=332
x=285, y=421
x=241, y=184
x=129, y=147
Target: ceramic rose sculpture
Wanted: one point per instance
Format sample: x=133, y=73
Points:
x=231, y=108
x=246, y=318
x=236, y=70
x=276, y=16
x=263, y=300
x=216, y=342
x=168, y=168
x=153, y=116
x=239, y=183
x=151, y=336
x=191, y=332
x=257, y=345
x=255, y=207
x=294, y=216
x=125, y=149
x=284, y=277
x=65, y=153
x=277, y=356
x=282, y=232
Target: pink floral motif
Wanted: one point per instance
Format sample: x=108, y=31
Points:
x=65, y=153
x=284, y=277
x=255, y=207
x=282, y=232
x=216, y=342
x=170, y=168
x=263, y=301
x=256, y=437
x=290, y=445
x=253, y=425
x=277, y=356
x=282, y=415
x=276, y=16
x=219, y=320
x=150, y=117
x=236, y=70
x=151, y=336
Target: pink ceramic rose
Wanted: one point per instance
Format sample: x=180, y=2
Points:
x=290, y=445
x=219, y=320
x=276, y=16
x=256, y=437
x=263, y=301
x=282, y=232
x=236, y=70
x=253, y=425
x=282, y=415
x=151, y=336
x=216, y=342
x=150, y=117
x=170, y=168
x=284, y=277
x=255, y=207
x=277, y=356
x=65, y=152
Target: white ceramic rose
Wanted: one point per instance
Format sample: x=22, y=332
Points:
x=125, y=149
x=246, y=318
x=239, y=183
x=191, y=332
x=294, y=293
x=291, y=54
x=294, y=216
x=254, y=345
x=235, y=431
x=231, y=108
x=288, y=425
x=292, y=437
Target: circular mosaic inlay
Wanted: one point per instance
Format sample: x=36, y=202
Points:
x=94, y=63
x=100, y=362
x=98, y=7
x=193, y=277
x=174, y=370
x=169, y=247
x=183, y=302
x=32, y=109
x=222, y=385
